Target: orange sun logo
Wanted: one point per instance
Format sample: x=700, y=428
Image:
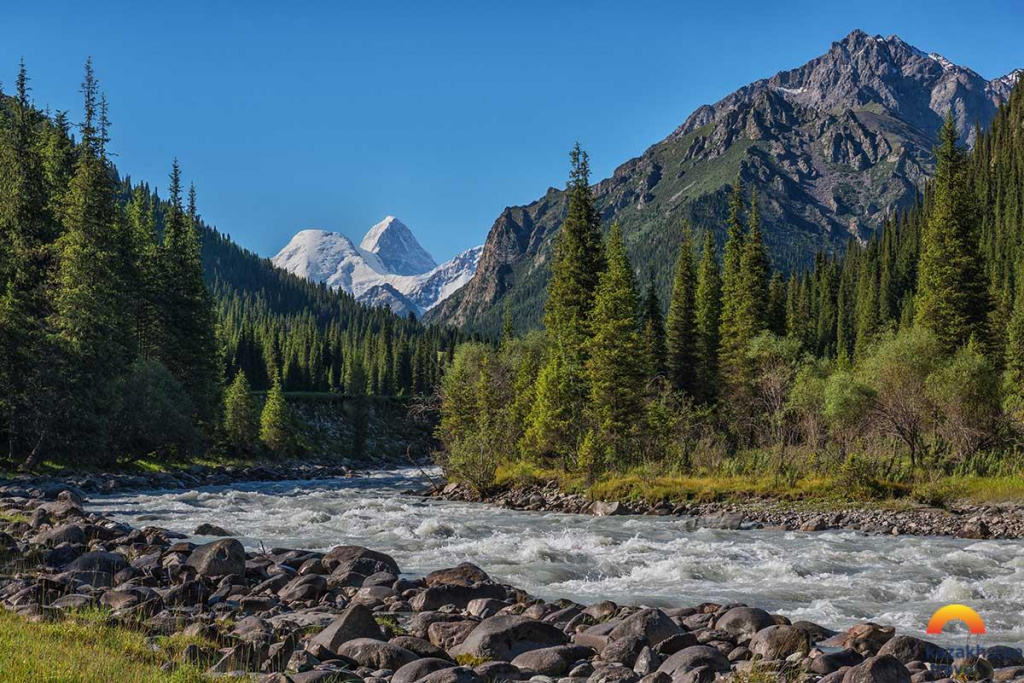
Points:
x=949, y=613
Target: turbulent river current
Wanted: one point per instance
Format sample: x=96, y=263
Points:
x=835, y=578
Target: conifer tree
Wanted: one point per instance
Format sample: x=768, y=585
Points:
x=709, y=313
x=653, y=329
x=91, y=312
x=951, y=298
x=241, y=424
x=275, y=420
x=1014, y=354
x=755, y=274
x=682, y=336
x=577, y=263
x=187, y=319
x=777, y=304
x=27, y=224
x=616, y=379
x=508, y=330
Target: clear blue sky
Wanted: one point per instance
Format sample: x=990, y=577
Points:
x=334, y=114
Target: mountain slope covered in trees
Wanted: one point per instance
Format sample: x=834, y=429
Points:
x=834, y=147
x=122, y=314
x=898, y=364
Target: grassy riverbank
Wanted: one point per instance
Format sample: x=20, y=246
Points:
x=651, y=485
x=84, y=648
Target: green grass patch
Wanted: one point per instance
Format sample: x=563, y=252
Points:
x=86, y=648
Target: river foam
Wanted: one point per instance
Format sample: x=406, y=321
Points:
x=835, y=578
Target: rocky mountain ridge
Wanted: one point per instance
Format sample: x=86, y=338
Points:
x=833, y=147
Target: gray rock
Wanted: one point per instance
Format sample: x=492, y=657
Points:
x=354, y=558
x=205, y=529
x=908, y=649
x=72, y=534
x=744, y=622
x=421, y=647
x=97, y=569
x=356, y=622
x=417, y=669
x=550, y=661
x=448, y=634
x=651, y=624
x=613, y=674
x=438, y=596
x=779, y=642
x=880, y=669
x=376, y=654
x=1001, y=657
x=694, y=656
x=308, y=587
x=464, y=574
x=218, y=558
x=505, y=637
x=624, y=650
x=458, y=674
x=498, y=672
x=834, y=661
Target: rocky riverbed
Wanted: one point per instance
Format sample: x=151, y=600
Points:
x=349, y=613
x=1002, y=521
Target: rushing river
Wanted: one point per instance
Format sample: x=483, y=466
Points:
x=834, y=578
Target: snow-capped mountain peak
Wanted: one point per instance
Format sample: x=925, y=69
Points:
x=397, y=248
x=389, y=267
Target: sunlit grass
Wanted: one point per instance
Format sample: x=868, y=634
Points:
x=652, y=485
x=85, y=648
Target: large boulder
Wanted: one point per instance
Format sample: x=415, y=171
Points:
x=1001, y=656
x=355, y=622
x=219, y=558
x=376, y=654
x=417, y=669
x=505, y=637
x=908, y=649
x=423, y=648
x=438, y=596
x=744, y=622
x=651, y=624
x=458, y=674
x=354, y=558
x=880, y=669
x=779, y=642
x=307, y=587
x=97, y=569
x=693, y=657
x=831, y=662
x=866, y=638
x=464, y=574
x=73, y=534
x=551, y=661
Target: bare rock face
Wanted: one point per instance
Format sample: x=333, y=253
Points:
x=832, y=146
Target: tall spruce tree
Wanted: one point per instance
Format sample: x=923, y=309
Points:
x=27, y=225
x=616, y=379
x=92, y=321
x=652, y=326
x=681, y=332
x=577, y=263
x=187, y=318
x=952, y=299
x=709, y=314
